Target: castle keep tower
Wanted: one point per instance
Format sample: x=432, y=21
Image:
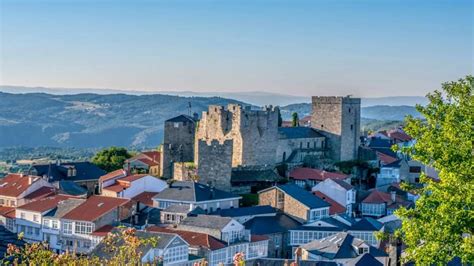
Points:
x=338, y=118
x=254, y=133
x=178, y=143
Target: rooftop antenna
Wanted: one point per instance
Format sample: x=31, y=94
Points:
x=189, y=109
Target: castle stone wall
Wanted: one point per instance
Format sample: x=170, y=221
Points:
x=214, y=163
x=254, y=132
x=178, y=145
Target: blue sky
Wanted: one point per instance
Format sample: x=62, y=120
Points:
x=364, y=48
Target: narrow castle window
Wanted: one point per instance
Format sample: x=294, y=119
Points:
x=352, y=127
x=322, y=126
x=349, y=110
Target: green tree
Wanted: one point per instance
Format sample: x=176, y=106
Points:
x=111, y=159
x=441, y=226
x=295, y=121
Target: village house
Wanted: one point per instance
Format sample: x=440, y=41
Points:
x=147, y=162
x=365, y=229
x=17, y=189
x=7, y=218
x=85, y=174
x=338, y=190
x=378, y=203
x=335, y=207
x=174, y=214
x=308, y=177
x=29, y=216
x=216, y=251
x=51, y=224
x=132, y=185
x=295, y=143
x=343, y=249
x=78, y=225
x=294, y=201
x=193, y=195
x=244, y=214
x=170, y=249
x=276, y=227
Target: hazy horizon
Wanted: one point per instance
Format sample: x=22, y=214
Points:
x=302, y=48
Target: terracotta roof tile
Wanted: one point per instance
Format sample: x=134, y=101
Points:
x=4, y=210
x=42, y=192
x=193, y=238
x=335, y=207
x=12, y=185
x=115, y=188
x=131, y=178
x=145, y=198
x=148, y=162
x=114, y=174
x=44, y=204
x=95, y=207
x=103, y=231
x=385, y=159
x=377, y=197
x=256, y=238
x=304, y=173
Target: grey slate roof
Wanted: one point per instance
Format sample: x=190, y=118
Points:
x=395, y=164
x=367, y=224
x=176, y=208
x=246, y=211
x=303, y=196
x=265, y=225
x=343, y=184
x=298, y=132
x=364, y=260
x=181, y=118
x=7, y=237
x=84, y=171
x=205, y=221
x=242, y=175
x=64, y=207
x=339, y=246
x=189, y=191
x=164, y=239
x=379, y=143
x=364, y=224
x=71, y=188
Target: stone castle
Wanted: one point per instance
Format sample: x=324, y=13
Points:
x=235, y=137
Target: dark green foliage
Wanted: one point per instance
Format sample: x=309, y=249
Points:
x=280, y=120
x=111, y=159
x=295, y=121
x=249, y=200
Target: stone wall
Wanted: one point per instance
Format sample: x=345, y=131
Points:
x=338, y=118
x=178, y=145
x=254, y=132
x=294, y=208
x=184, y=171
x=214, y=163
x=268, y=197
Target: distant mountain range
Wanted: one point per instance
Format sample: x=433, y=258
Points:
x=98, y=120
x=258, y=98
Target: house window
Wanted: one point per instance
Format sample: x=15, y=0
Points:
x=176, y=125
x=83, y=228
x=35, y=218
x=176, y=254
x=37, y=231
x=363, y=250
x=46, y=223
x=22, y=215
x=67, y=228
x=307, y=145
x=13, y=203
x=55, y=224
x=349, y=110
x=352, y=127
x=2, y=202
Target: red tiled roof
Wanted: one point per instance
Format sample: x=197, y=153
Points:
x=377, y=197
x=335, y=207
x=256, y=238
x=153, y=155
x=385, y=159
x=193, y=238
x=4, y=210
x=115, y=188
x=145, y=198
x=113, y=174
x=132, y=178
x=44, y=204
x=95, y=207
x=12, y=185
x=148, y=162
x=42, y=192
x=103, y=231
x=304, y=173
x=398, y=135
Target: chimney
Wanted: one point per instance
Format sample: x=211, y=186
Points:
x=195, y=116
x=58, y=162
x=30, y=180
x=393, y=196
